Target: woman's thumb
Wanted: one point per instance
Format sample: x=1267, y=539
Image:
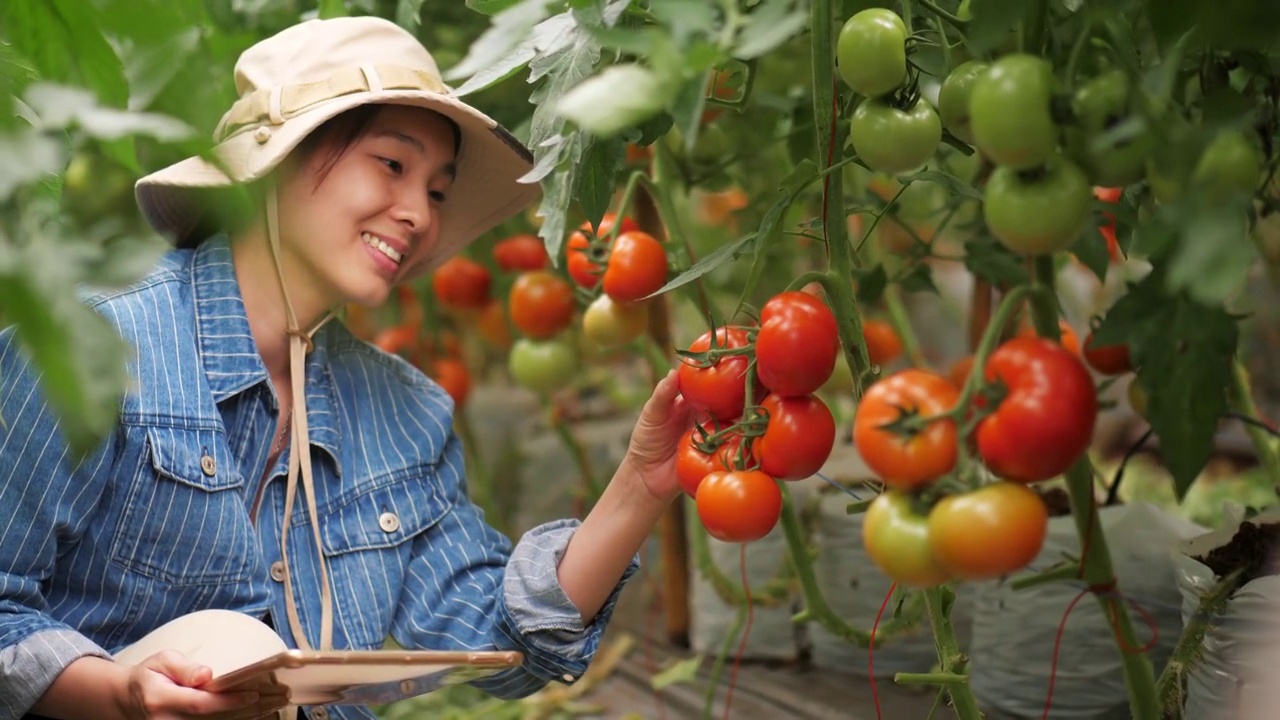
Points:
x=179, y=669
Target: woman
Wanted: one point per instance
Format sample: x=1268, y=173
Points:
x=367, y=173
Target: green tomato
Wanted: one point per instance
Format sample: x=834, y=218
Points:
x=894, y=141
x=1038, y=212
x=1100, y=105
x=871, y=52
x=1230, y=164
x=1009, y=111
x=543, y=366
x=896, y=537
x=609, y=323
x=95, y=187
x=953, y=98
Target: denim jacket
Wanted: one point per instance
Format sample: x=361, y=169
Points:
x=156, y=523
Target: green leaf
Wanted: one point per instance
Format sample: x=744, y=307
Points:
x=409, y=14
x=594, y=179
x=60, y=106
x=333, y=9
x=510, y=28
x=28, y=155
x=919, y=279
x=992, y=23
x=597, y=105
x=684, y=671
x=952, y=183
x=871, y=284
x=99, y=66
x=557, y=196
x=1214, y=254
x=1090, y=248
x=491, y=7
x=721, y=255
x=150, y=67
x=771, y=224
x=773, y=23
x=994, y=263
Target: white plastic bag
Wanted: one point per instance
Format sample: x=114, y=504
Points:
x=1014, y=631
x=1238, y=677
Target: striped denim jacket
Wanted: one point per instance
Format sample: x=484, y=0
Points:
x=155, y=523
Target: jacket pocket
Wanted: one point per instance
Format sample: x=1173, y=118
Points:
x=185, y=521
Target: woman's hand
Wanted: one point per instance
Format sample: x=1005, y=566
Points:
x=165, y=687
x=655, y=440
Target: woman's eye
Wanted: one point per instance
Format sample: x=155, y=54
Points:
x=395, y=166
x=436, y=195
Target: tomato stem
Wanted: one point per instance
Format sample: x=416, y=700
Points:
x=1189, y=651
x=954, y=20
x=1267, y=447
x=953, y=662
x=1057, y=573
x=934, y=678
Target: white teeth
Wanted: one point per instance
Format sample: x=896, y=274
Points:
x=381, y=246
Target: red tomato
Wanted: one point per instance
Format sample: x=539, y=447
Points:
x=883, y=344
x=797, y=345
x=989, y=532
x=582, y=268
x=400, y=338
x=521, y=252
x=452, y=375
x=1107, y=359
x=896, y=537
x=798, y=439
x=1111, y=195
x=692, y=465
x=907, y=461
x=739, y=506
x=1045, y=421
x=718, y=390
x=461, y=283
x=637, y=267
x=541, y=304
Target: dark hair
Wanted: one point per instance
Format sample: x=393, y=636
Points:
x=230, y=209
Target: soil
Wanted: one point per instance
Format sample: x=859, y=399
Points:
x=1253, y=548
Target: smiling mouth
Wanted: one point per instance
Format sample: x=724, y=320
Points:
x=382, y=247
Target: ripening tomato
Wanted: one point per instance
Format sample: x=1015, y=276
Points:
x=1045, y=421
x=719, y=390
x=871, y=52
x=452, y=375
x=907, y=461
x=521, y=252
x=1009, y=112
x=798, y=439
x=609, y=323
x=883, y=344
x=692, y=465
x=541, y=304
x=989, y=532
x=1108, y=230
x=1107, y=359
x=896, y=537
x=797, y=345
x=891, y=140
x=583, y=265
x=461, y=283
x=739, y=506
x=637, y=267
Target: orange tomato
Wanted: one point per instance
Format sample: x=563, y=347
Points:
x=883, y=344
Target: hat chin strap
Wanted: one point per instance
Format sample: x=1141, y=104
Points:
x=299, y=449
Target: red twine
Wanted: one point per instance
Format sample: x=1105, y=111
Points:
x=746, y=630
x=871, y=649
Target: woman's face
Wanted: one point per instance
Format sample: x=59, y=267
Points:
x=351, y=234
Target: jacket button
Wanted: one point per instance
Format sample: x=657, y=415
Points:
x=389, y=522
x=277, y=571
x=208, y=465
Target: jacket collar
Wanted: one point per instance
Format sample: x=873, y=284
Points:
x=231, y=360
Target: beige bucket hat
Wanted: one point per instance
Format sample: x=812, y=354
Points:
x=292, y=82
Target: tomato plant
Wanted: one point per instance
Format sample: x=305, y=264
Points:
x=907, y=458
x=543, y=366
x=610, y=323
x=798, y=439
x=1040, y=211
x=988, y=532
x=893, y=140
x=1045, y=421
x=789, y=321
x=896, y=537
x=739, y=506
x=871, y=52
x=717, y=388
x=637, y=267
x=1009, y=112
x=462, y=283
x=541, y=304
x=519, y=253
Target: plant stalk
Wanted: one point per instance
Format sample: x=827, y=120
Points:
x=1267, y=446
x=953, y=662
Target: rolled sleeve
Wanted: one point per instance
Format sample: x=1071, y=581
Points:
x=536, y=607
x=30, y=666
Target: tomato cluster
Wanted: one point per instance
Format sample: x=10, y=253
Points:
x=1032, y=418
x=758, y=418
x=625, y=269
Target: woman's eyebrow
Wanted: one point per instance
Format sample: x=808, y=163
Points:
x=450, y=169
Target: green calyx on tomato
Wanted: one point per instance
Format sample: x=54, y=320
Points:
x=1040, y=211
x=738, y=506
x=692, y=464
x=1045, y=421
x=894, y=141
x=543, y=366
x=1010, y=111
x=954, y=96
x=907, y=459
x=871, y=52
x=992, y=531
x=896, y=536
x=1100, y=106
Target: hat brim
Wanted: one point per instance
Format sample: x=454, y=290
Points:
x=486, y=191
